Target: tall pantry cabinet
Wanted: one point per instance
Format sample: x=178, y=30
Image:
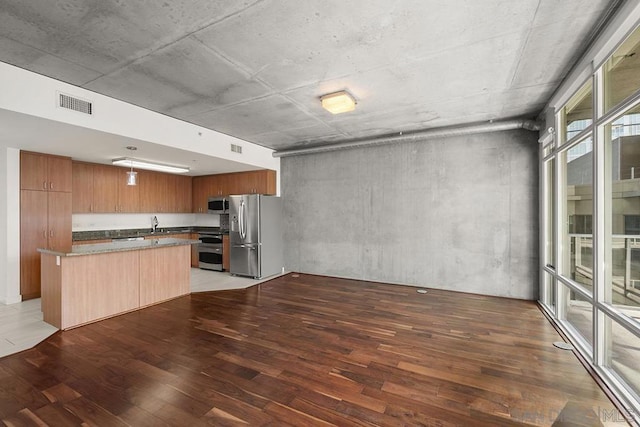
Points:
x=45, y=214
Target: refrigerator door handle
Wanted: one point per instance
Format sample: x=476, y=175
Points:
x=241, y=223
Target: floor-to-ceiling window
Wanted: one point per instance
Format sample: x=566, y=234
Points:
x=590, y=280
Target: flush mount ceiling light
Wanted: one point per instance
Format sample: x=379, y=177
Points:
x=142, y=164
x=338, y=102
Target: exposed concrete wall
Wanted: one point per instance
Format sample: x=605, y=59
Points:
x=459, y=213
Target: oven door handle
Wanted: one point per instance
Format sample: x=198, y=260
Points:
x=252, y=247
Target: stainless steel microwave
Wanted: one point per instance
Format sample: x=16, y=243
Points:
x=218, y=205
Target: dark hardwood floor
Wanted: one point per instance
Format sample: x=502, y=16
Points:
x=307, y=351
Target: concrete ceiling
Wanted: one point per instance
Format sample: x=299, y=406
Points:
x=255, y=69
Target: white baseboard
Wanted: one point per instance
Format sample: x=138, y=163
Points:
x=12, y=300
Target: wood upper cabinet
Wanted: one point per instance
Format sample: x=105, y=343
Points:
x=43, y=172
x=171, y=195
x=254, y=182
x=105, y=188
x=183, y=192
x=45, y=222
x=219, y=185
x=128, y=195
x=59, y=173
x=102, y=189
x=200, y=195
x=154, y=192
x=82, y=178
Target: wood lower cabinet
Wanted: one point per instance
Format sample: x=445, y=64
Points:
x=195, y=257
x=226, y=253
x=45, y=222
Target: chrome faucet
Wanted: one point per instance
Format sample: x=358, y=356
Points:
x=154, y=224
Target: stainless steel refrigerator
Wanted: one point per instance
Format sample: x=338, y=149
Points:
x=255, y=235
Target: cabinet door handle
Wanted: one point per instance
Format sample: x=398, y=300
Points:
x=51, y=185
x=50, y=233
x=44, y=185
x=90, y=207
x=44, y=233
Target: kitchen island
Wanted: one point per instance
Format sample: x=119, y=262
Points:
x=94, y=282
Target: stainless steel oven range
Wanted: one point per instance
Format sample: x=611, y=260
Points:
x=210, y=251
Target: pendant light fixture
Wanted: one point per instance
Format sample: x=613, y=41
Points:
x=132, y=176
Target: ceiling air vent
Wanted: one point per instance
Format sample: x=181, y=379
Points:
x=236, y=148
x=75, y=104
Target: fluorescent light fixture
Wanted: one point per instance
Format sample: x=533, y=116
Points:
x=338, y=102
x=142, y=164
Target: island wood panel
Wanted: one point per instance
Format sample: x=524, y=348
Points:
x=165, y=273
x=51, y=299
x=98, y=286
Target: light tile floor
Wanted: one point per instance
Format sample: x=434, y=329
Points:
x=22, y=327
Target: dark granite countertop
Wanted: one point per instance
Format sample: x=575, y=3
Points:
x=135, y=245
x=79, y=236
